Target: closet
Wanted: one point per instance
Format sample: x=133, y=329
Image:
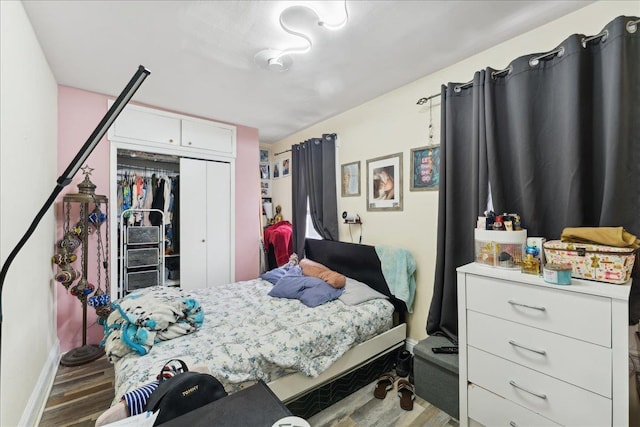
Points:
x=148, y=221
x=173, y=174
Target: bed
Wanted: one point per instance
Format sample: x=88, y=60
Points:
x=248, y=335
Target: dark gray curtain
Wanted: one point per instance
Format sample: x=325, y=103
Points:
x=313, y=174
x=561, y=131
x=463, y=193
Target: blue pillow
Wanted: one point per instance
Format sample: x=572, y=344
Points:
x=311, y=291
x=274, y=275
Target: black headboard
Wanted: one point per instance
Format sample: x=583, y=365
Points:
x=360, y=262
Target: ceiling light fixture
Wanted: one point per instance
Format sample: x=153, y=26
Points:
x=280, y=60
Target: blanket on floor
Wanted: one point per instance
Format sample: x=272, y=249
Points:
x=143, y=318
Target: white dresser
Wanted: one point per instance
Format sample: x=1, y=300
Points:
x=538, y=354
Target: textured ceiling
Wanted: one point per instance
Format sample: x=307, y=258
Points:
x=201, y=53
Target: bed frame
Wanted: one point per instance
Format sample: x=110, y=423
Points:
x=306, y=396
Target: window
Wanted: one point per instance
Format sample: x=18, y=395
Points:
x=311, y=232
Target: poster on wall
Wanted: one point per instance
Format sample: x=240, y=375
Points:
x=286, y=170
x=265, y=188
x=384, y=183
x=281, y=168
x=264, y=156
x=350, y=173
x=425, y=168
x=264, y=172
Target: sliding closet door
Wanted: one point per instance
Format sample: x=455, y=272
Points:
x=205, y=218
x=218, y=223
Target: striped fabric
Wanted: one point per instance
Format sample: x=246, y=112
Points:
x=137, y=399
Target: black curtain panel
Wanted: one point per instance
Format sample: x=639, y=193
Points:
x=462, y=195
x=314, y=179
x=561, y=134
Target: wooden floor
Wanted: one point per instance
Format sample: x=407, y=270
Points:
x=80, y=394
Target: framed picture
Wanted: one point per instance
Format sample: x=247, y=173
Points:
x=350, y=173
x=265, y=188
x=264, y=156
x=384, y=183
x=425, y=168
x=286, y=167
x=276, y=170
x=264, y=171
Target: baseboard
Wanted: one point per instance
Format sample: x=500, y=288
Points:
x=409, y=344
x=35, y=406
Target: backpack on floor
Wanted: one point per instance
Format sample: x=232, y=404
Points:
x=183, y=393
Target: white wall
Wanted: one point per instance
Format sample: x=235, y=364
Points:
x=394, y=123
x=28, y=140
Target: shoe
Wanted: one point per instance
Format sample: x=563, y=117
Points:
x=411, y=378
x=407, y=394
x=384, y=384
x=403, y=365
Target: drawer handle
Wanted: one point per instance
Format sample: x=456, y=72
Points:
x=540, y=395
x=535, y=307
x=515, y=344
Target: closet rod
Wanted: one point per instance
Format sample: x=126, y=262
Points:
x=424, y=100
x=146, y=168
x=282, y=152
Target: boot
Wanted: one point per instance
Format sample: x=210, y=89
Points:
x=403, y=365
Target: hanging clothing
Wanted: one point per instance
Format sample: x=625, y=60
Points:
x=158, y=203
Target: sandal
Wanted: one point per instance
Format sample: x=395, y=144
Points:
x=384, y=384
x=407, y=394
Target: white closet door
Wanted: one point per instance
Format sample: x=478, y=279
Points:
x=205, y=203
x=218, y=223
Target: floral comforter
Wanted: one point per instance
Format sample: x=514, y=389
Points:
x=248, y=335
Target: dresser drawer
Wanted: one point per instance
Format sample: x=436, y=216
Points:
x=577, y=362
x=585, y=317
x=492, y=410
x=556, y=400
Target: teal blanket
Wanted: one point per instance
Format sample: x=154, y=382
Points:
x=398, y=269
x=145, y=317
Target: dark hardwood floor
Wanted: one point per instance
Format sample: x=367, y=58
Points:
x=80, y=394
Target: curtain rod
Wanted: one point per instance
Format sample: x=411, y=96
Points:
x=282, y=152
x=424, y=100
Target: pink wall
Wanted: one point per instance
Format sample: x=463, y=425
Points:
x=79, y=112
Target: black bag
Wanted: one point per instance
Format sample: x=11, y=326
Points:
x=183, y=393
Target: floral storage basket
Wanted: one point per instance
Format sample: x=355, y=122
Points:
x=592, y=262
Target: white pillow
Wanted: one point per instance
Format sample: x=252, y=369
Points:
x=357, y=292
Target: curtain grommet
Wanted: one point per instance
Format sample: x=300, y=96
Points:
x=603, y=36
x=500, y=73
x=536, y=59
x=632, y=26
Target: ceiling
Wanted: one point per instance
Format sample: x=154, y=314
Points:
x=201, y=54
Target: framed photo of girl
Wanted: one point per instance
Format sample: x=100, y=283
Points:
x=425, y=168
x=384, y=183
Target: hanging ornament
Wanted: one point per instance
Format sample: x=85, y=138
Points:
x=431, y=121
x=82, y=289
x=71, y=241
x=103, y=313
x=64, y=257
x=99, y=299
x=67, y=275
x=96, y=217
